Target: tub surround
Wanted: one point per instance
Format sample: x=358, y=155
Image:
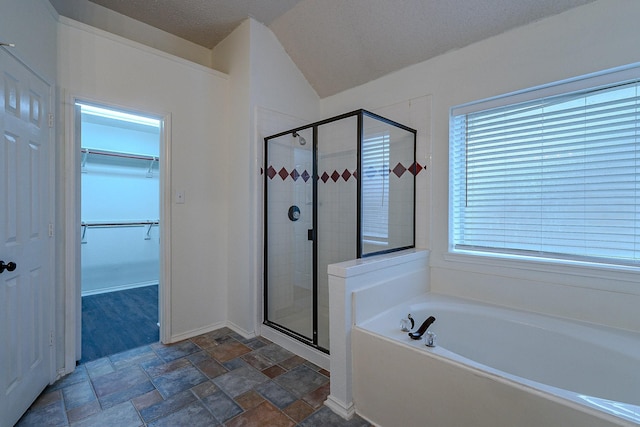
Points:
x=486, y=374
x=382, y=281
x=423, y=396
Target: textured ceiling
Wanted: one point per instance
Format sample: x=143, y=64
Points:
x=340, y=44
x=204, y=22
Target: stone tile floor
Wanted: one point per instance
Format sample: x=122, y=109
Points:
x=215, y=379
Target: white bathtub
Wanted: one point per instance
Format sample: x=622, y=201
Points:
x=494, y=366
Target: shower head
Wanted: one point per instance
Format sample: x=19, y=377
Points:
x=301, y=140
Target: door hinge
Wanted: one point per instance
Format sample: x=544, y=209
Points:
x=50, y=230
x=51, y=338
x=50, y=120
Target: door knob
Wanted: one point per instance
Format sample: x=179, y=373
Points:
x=9, y=266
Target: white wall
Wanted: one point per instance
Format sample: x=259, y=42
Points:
x=586, y=39
x=232, y=56
x=262, y=78
x=31, y=26
x=104, y=68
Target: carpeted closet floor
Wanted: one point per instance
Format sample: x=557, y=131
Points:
x=117, y=321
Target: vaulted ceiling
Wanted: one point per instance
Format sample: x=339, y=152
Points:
x=340, y=44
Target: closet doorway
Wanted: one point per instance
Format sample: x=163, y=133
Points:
x=120, y=229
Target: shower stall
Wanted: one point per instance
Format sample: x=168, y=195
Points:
x=335, y=190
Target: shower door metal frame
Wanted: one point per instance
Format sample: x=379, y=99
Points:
x=313, y=341
x=361, y=115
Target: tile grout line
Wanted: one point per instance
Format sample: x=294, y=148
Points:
x=161, y=357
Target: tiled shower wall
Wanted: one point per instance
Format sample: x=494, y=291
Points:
x=337, y=207
x=290, y=251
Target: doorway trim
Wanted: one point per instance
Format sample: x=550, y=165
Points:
x=71, y=223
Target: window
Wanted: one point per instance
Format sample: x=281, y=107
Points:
x=375, y=189
x=553, y=176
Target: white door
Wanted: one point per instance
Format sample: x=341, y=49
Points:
x=26, y=293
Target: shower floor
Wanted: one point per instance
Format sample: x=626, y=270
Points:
x=298, y=316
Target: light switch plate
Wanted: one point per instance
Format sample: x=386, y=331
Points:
x=179, y=196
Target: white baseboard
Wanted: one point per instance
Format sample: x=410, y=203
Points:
x=209, y=328
x=345, y=411
x=195, y=332
x=245, y=334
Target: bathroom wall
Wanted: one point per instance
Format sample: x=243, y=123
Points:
x=97, y=66
x=31, y=26
x=586, y=39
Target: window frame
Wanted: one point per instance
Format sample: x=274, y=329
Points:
x=593, y=81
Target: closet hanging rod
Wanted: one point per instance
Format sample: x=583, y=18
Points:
x=116, y=154
x=119, y=224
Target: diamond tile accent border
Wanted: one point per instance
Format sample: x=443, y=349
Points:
x=334, y=175
x=399, y=170
x=415, y=168
x=283, y=173
x=271, y=172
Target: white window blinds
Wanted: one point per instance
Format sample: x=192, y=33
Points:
x=375, y=189
x=553, y=177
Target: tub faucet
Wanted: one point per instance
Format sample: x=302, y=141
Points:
x=407, y=324
x=422, y=329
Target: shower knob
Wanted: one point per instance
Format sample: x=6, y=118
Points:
x=294, y=213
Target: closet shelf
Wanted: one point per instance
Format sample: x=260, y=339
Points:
x=150, y=159
x=118, y=154
x=105, y=224
x=118, y=224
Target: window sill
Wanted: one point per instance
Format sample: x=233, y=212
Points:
x=622, y=279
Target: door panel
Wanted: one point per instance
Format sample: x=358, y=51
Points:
x=289, y=214
x=26, y=294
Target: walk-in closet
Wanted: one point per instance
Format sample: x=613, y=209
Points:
x=120, y=234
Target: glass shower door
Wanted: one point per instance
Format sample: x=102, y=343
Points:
x=289, y=219
x=321, y=210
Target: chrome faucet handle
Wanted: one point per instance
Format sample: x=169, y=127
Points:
x=430, y=339
x=407, y=324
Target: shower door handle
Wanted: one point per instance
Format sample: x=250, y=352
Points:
x=10, y=266
x=311, y=235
